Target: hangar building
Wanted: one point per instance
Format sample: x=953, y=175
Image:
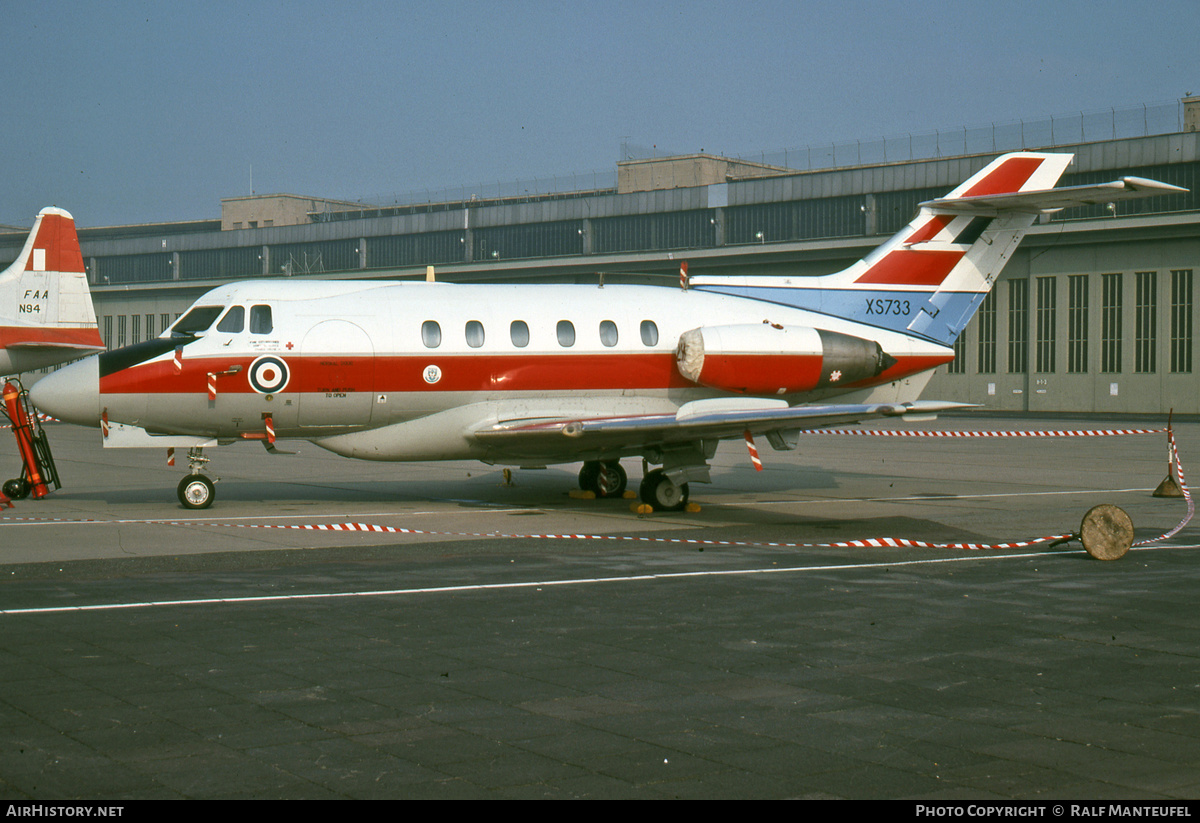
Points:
x=1095, y=313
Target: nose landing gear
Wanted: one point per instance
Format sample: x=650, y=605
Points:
x=196, y=491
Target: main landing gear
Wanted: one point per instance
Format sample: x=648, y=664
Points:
x=196, y=491
x=663, y=493
x=607, y=478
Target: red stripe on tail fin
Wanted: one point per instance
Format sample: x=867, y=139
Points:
x=905, y=267
x=930, y=229
x=1008, y=177
x=59, y=246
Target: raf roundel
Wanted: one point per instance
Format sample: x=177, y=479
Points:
x=268, y=375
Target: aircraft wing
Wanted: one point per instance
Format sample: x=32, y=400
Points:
x=714, y=419
x=1046, y=200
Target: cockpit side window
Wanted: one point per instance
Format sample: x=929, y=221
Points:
x=260, y=320
x=233, y=321
x=196, y=320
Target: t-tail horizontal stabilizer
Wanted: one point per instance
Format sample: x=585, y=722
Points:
x=929, y=278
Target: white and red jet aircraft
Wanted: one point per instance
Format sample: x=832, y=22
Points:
x=537, y=374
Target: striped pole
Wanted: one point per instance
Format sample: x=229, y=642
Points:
x=753, y=451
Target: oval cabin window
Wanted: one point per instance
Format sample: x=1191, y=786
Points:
x=649, y=333
x=608, y=333
x=566, y=333
x=474, y=334
x=431, y=334
x=519, y=332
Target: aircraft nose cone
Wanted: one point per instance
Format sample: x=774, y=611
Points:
x=72, y=394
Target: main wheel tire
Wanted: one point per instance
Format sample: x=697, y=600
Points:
x=611, y=480
x=196, y=492
x=603, y=478
x=663, y=493
x=17, y=488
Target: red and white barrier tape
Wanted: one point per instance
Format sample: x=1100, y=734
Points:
x=875, y=542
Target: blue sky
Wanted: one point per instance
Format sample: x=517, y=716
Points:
x=128, y=112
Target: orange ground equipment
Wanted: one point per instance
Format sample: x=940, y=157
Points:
x=38, y=475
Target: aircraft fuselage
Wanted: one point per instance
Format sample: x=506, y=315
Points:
x=326, y=360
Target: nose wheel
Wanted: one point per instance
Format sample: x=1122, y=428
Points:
x=196, y=491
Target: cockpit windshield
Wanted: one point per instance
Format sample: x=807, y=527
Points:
x=196, y=321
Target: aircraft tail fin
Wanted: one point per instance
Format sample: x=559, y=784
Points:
x=931, y=276
x=46, y=313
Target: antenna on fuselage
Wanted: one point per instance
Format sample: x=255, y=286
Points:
x=429, y=274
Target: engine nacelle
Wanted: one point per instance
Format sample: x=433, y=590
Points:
x=771, y=359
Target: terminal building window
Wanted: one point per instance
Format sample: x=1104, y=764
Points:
x=1181, y=321
x=987, y=334
x=959, y=364
x=1110, y=323
x=1047, y=305
x=1018, y=326
x=1145, y=321
x=1077, y=323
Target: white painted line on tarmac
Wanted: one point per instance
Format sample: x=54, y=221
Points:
x=534, y=584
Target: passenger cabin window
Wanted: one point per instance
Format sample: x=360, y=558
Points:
x=649, y=333
x=566, y=333
x=608, y=333
x=519, y=332
x=195, y=321
x=260, y=320
x=474, y=333
x=431, y=334
x=233, y=321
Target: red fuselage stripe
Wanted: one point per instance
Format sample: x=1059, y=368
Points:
x=458, y=373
